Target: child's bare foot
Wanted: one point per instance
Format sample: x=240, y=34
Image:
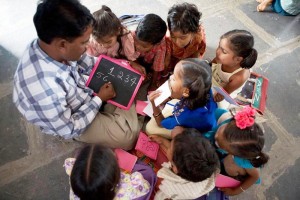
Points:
x=263, y=5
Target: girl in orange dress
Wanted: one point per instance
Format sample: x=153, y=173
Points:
x=187, y=36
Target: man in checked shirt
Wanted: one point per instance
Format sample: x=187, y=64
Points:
x=49, y=86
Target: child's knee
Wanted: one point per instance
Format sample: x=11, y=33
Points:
x=153, y=129
x=150, y=127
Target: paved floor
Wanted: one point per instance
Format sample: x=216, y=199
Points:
x=31, y=164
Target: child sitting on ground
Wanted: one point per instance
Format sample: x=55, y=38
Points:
x=194, y=107
x=230, y=68
x=95, y=174
x=240, y=141
x=110, y=37
x=149, y=41
x=187, y=36
x=192, y=167
x=282, y=7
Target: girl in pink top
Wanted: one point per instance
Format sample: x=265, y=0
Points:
x=110, y=37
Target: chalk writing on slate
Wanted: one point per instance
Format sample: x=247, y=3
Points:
x=126, y=80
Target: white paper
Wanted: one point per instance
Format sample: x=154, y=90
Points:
x=227, y=97
x=165, y=93
x=148, y=109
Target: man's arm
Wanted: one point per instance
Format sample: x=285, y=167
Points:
x=77, y=120
x=58, y=118
x=86, y=64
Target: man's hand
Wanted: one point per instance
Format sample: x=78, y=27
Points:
x=106, y=92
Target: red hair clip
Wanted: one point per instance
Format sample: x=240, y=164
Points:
x=245, y=117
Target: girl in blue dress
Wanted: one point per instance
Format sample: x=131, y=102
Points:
x=240, y=142
x=192, y=105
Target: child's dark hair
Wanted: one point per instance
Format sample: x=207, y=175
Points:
x=194, y=156
x=108, y=24
x=67, y=19
x=247, y=143
x=95, y=173
x=241, y=43
x=184, y=17
x=152, y=29
x=196, y=75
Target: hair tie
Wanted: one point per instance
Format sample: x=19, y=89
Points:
x=245, y=117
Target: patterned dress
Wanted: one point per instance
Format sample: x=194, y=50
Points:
x=131, y=186
x=175, y=54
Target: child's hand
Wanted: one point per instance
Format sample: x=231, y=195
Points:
x=156, y=138
x=177, y=130
x=231, y=191
x=218, y=97
x=164, y=144
x=139, y=68
x=153, y=95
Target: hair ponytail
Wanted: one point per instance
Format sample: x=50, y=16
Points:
x=197, y=78
x=246, y=142
x=106, y=8
x=95, y=173
x=259, y=160
x=241, y=43
x=106, y=18
x=250, y=60
x=112, y=27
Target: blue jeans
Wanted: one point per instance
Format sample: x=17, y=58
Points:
x=276, y=6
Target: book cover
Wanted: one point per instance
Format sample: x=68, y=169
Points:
x=126, y=160
x=147, y=147
x=226, y=181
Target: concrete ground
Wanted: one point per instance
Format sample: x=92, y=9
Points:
x=31, y=164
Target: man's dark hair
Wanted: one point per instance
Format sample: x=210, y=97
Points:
x=152, y=29
x=67, y=19
x=194, y=156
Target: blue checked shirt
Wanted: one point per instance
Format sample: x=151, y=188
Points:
x=53, y=95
